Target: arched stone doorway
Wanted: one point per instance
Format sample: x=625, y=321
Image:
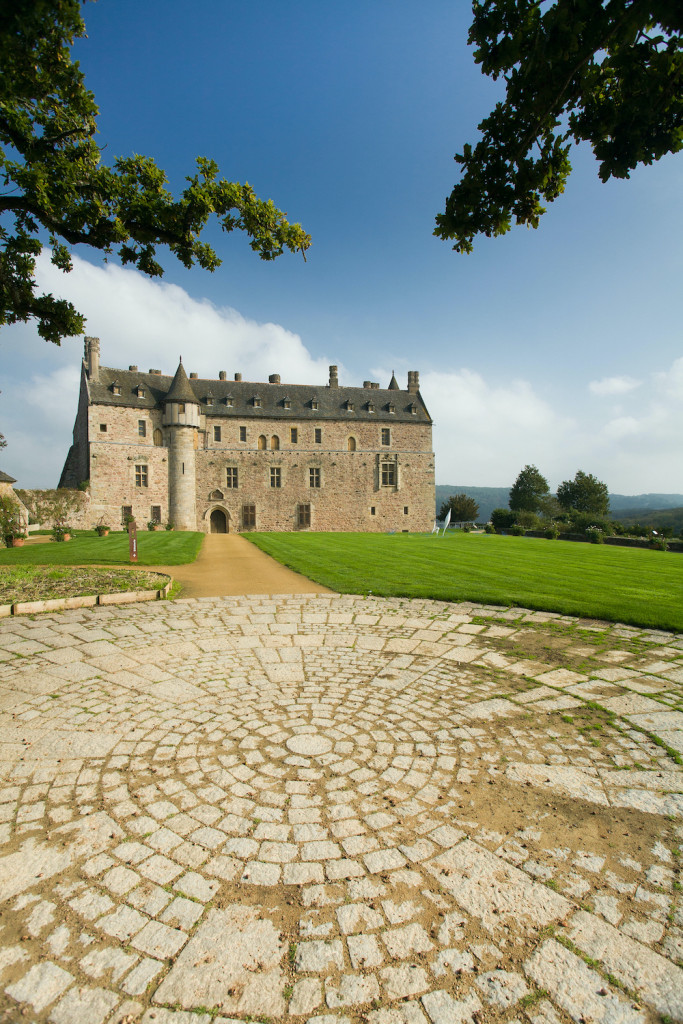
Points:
x=218, y=522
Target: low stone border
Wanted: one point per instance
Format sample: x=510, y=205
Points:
x=63, y=603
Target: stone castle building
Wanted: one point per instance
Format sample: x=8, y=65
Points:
x=232, y=455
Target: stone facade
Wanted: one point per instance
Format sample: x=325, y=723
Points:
x=216, y=455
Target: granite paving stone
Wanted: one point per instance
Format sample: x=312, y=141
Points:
x=327, y=808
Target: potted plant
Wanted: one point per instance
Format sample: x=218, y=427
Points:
x=102, y=529
x=154, y=525
x=12, y=527
x=61, y=532
x=169, y=526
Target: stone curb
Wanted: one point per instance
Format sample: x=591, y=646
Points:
x=64, y=603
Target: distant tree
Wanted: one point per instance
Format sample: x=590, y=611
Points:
x=585, y=493
x=607, y=72
x=463, y=509
x=56, y=188
x=528, y=491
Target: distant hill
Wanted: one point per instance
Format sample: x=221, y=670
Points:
x=653, y=501
x=636, y=505
x=655, y=519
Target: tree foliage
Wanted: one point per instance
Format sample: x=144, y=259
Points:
x=585, y=493
x=608, y=72
x=56, y=189
x=529, y=490
x=463, y=509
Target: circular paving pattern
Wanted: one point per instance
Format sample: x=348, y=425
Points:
x=338, y=808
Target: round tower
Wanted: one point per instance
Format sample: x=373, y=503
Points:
x=181, y=417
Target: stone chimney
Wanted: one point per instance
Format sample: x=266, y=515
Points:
x=334, y=378
x=413, y=381
x=133, y=368
x=238, y=376
x=92, y=358
x=367, y=383
x=274, y=378
x=222, y=375
x=194, y=376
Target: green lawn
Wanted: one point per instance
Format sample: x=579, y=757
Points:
x=86, y=548
x=631, y=585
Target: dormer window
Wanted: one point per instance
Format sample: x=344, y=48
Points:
x=413, y=409
x=348, y=405
x=116, y=388
x=256, y=401
x=391, y=408
x=286, y=403
x=370, y=407
x=314, y=404
x=209, y=399
x=140, y=391
x=229, y=402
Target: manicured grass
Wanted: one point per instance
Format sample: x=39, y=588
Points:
x=630, y=585
x=155, y=548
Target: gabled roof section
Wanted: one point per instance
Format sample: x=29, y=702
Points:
x=393, y=383
x=180, y=390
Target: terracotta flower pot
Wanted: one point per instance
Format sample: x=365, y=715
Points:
x=14, y=542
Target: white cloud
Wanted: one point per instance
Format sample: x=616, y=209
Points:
x=138, y=321
x=613, y=385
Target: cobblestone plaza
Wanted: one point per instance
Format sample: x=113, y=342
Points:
x=337, y=808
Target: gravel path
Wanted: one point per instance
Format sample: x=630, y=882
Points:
x=338, y=809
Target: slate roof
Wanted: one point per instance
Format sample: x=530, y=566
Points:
x=5, y=478
x=332, y=402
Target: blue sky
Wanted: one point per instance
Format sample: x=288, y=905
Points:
x=561, y=347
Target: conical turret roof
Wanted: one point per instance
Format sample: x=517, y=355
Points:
x=180, y=390
x=393, y=383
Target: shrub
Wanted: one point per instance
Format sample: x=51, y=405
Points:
x=594, y=534
x=658, y=543
x=11, y=519
x=582, y=522
x=527, y=520
x=489, y=528
x=551, y=532
x=502, y=519
x=516, y=530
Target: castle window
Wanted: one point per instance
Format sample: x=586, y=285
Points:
x=349, y=406
x=314, y=477
x=243, y=433
x=155, y=516
x=370, y=407
x=116, y=389
x=351, y=444
x=318, y=435
x=413, y=409
x=256, y=402
x=386, y=436
x=142, y=428
x=391, y=408
x=231, y=477
x=141, y=476
x=314, y=404
x=303, y=516
x=405, y=510
x=388, y=474
x=181, y=407
x=216, y=433
x=286, y=404
x=229, y=402
x=216, y=495
x=275, y=476
x=209, y=400
x=126, y=514
x=294, y=435
x=372, y=510
x=275, y=443
x=262, y=443
x=103, y=428
x=158, y=438
x=248, y=517
x=141, y=393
